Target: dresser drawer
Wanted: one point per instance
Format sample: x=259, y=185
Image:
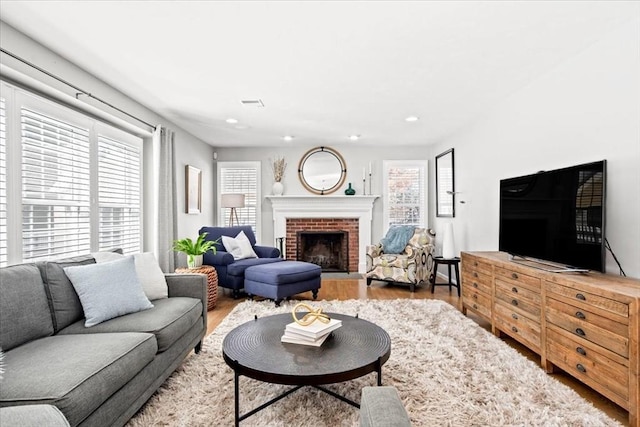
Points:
x=589, y=317
x=522, y=300
x=517, y=279
x=516, y=325
x=590, y=332
x=477, y=301
x=473, y=264
x=586, y=300
x=475, y=280
x=580, y=358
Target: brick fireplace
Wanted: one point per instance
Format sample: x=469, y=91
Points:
x=317, y=213
x=295, y=226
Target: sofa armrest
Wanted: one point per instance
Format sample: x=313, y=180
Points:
x=266, y=251
x=189, y=285
x=219, y=258
x=32, y=415
x=381, y=406
x=374, y=251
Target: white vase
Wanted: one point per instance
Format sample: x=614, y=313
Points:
x=277, y=189
x=448, y=247
x=194, y=261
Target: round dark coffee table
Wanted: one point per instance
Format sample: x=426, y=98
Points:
x=253, y=349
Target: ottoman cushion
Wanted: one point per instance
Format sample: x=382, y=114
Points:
x=282, y=279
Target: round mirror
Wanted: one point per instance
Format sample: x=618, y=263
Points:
x=322, y=170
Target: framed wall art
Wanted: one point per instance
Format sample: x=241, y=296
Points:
x=193, y=190
x=445, y=185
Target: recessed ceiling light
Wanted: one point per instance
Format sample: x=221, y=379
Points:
x=412, y=119
x=231, y=121
x=354, y=137
x=287, y=138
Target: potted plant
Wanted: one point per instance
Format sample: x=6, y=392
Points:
x=195, y=250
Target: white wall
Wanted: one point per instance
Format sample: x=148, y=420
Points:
x=189, y=149
x=587, y=109
x=356, y=158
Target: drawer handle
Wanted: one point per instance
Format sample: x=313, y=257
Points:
x=581, y=297
x=581, y=368
x=475, y=285
x=514, y=289
x=514, y=302
x=580, y=332
x=475, y=263
x=475, y=296
x=580, y=315
x=515, y=316
x=514, y=276
x=475, y=274
x=581, y=351
x=514, y=329
x=475, y=306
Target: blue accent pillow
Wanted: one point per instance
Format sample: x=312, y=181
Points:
x=397, y=239
x=108, y=290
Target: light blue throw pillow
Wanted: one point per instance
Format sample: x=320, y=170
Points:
x=108, y=290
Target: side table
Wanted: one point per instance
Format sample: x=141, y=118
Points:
x=212, y=282
x=448, y=262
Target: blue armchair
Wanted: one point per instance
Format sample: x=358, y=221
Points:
x=231, y=271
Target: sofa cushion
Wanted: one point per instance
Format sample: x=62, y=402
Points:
x=238, y=267
x=33, y=415
x=76, y=373
x=391, y=260
x=168, y=320
x=24, y=310
x=63, y=299
x=148, y=270
x=108, y=290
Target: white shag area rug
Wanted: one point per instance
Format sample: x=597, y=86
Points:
x=447, y=369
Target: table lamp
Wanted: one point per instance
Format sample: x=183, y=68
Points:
x=232, y=201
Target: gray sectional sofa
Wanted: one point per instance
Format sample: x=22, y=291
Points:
x=97, y=376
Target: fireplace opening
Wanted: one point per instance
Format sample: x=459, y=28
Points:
x=328, y=249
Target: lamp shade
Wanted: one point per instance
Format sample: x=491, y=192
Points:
x=232, y=200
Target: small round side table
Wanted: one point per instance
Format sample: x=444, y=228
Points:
x=448, y=262
x=212, y=282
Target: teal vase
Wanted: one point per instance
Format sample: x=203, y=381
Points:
x=349, y=191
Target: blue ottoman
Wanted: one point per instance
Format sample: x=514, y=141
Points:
x=281, y=280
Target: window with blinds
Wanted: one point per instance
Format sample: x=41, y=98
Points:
x=405, y=193
x=3, y=184
x=119, y=195
x=55, y=187
x=69, y=184
x=244, y=178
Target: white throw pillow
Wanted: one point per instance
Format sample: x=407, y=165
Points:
x=148, y=270
x=108, y=290
x=240, y=247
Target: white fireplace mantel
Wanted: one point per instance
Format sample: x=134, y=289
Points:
x=303, y=206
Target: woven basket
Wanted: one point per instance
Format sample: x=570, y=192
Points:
x=212, y=282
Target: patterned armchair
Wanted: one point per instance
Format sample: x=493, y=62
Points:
x=412, y=267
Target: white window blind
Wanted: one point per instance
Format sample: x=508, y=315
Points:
x=119, y=195
x=3, y=184
x=55, y=187
x=405, y=193
x=241, y=177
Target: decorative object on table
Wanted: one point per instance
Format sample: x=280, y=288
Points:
x=350, y=191
x=445, y=185
x=195, y=250
x=232, y=201
x=322, y=170
x=312, y=329
x=278, y=167
x=448, y=247
x=193, y=190
x=370, y=189
x=212, y=282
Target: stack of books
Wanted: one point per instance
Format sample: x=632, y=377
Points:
x=314, y=334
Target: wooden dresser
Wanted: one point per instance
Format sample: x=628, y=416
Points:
x=586, y=324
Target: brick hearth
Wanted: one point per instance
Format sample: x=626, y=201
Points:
x=349, y=225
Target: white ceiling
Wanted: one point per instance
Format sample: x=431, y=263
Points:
x=324, y=70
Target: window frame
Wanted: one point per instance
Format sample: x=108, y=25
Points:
x=423, y=165
x=221, y=165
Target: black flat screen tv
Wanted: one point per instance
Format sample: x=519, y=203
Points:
x=556, y=216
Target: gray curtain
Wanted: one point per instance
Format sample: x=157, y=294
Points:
x=165, y=189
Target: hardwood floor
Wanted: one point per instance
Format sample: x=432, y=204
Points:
x=343, y=289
